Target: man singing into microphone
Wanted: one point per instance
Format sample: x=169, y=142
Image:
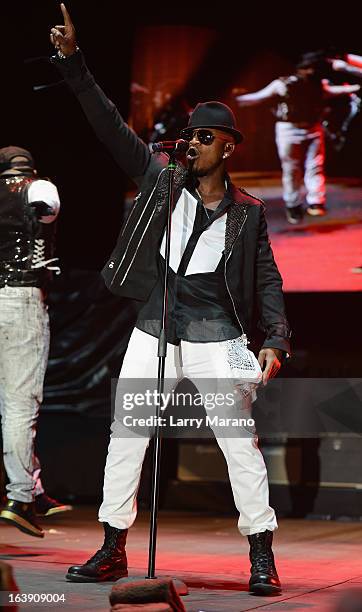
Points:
x=222, y=271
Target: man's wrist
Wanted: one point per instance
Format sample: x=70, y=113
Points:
x=278, y=352
x=63, y=56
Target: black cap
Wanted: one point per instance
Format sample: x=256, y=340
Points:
x=7, y=154
x=311, y=59
x=213, y=115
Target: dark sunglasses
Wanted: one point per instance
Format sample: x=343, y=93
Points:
x=205, y=137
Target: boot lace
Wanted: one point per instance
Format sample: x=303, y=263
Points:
x=98, y=556
x=114, y=545
x=262, y=558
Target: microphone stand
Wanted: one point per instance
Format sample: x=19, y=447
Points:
x=180, y=586
x=161, y=354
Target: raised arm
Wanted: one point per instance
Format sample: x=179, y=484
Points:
x=129, y=151
x=338, y=90
x=275, y=88
x=353, y=65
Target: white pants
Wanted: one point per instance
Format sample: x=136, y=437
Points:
x=301, y=153
x=246, y=467
x=24, y=345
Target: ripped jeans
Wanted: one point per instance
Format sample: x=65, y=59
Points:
x=24, y=347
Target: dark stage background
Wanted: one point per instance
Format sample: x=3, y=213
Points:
x=52, y=125
x=247, y=47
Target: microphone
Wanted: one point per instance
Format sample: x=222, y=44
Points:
x=179, y=146
x=40, y=58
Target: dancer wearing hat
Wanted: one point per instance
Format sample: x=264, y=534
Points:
x=352, y=65
x=28, y=209
x=300, y=100
x=222, y=272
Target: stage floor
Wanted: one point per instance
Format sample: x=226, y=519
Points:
x=318, y=254
x=318, y=561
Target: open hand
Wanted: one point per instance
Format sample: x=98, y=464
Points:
x=63, y=37
x=270, y=358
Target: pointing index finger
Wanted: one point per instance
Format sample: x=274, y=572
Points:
x=66, y=16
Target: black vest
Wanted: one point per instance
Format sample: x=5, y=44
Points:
x=25, y=243
x=303, y=102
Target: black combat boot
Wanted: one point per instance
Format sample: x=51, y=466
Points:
x=264, y=579
x=109, y=563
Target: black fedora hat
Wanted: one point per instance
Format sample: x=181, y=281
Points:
x=213, y=115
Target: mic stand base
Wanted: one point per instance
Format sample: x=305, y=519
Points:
x=180, y=586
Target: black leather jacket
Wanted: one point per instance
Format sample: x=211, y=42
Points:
x=252, y=277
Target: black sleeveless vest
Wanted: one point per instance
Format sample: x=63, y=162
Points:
x=26, y=245
x=303, y=102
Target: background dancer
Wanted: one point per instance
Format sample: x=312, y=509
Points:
x=28, y=209
x=300, y=99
